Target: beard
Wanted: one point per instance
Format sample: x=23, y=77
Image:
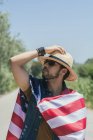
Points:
x=47, y=76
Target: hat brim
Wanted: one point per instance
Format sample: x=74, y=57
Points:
x=72, y=76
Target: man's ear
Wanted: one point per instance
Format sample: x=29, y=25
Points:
x=64, y=71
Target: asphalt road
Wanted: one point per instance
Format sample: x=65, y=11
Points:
x=6, y=107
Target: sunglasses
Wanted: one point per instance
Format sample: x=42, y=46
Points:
x=50, y=62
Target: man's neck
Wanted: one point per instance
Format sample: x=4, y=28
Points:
x=55, y=87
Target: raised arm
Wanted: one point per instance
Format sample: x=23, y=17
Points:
x=17, y=65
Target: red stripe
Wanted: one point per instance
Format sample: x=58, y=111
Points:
x=64, y=93
x=18, y=99
x=17, y=120
x=64, y=110
x=70, y=128
x=10, y=136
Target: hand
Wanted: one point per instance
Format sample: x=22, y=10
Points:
x=55, y=49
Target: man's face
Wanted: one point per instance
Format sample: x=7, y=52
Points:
x=51, y=69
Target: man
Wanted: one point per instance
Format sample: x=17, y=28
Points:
x=52, y=111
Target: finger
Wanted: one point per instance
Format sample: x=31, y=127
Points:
x=62, y=50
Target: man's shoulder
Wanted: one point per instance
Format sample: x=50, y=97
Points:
x=74, y=92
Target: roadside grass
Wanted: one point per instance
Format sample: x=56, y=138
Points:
x=85, y=87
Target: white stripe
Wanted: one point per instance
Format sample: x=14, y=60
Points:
x=15, y=130
x=19, y=112
x=71, y=118
x=38, y=97
x=80, y=135
x=59, y=102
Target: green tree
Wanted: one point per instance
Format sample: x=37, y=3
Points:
x=89, y=61
x=36, y=69
x=9, y=46
x=86, y=69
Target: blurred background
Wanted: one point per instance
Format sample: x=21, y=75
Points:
x=27, y=25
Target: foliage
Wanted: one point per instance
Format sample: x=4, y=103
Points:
x=6, y=81
x=36, y=68
x=85, y=81
x=85, y=87
x=86, y=70
x=9, y=46
x=89, y=61
x=82, y=71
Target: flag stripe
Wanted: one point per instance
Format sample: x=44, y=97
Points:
x=17, y=120
x=19, y=112
x=64, y=93
x=15, y=130
x=71, y=127
x=10, y=136
x=58, y=102
x=64, y=110
x=71, y=118
x=72, y=136
x=18, y=99
x=66, y=115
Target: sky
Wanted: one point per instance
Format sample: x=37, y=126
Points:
x=68, y=23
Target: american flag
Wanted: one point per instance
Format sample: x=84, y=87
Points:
x=66, y=115
x=18, y=117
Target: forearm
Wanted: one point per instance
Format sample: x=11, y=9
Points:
x=23, y=58
x=17, y=66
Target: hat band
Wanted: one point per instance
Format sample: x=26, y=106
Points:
x=58, y=59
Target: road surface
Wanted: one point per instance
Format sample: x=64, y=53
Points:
x=6, y=107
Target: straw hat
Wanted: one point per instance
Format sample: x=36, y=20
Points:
x=62, y=58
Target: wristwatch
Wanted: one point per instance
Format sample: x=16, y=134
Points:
x=41, y=51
